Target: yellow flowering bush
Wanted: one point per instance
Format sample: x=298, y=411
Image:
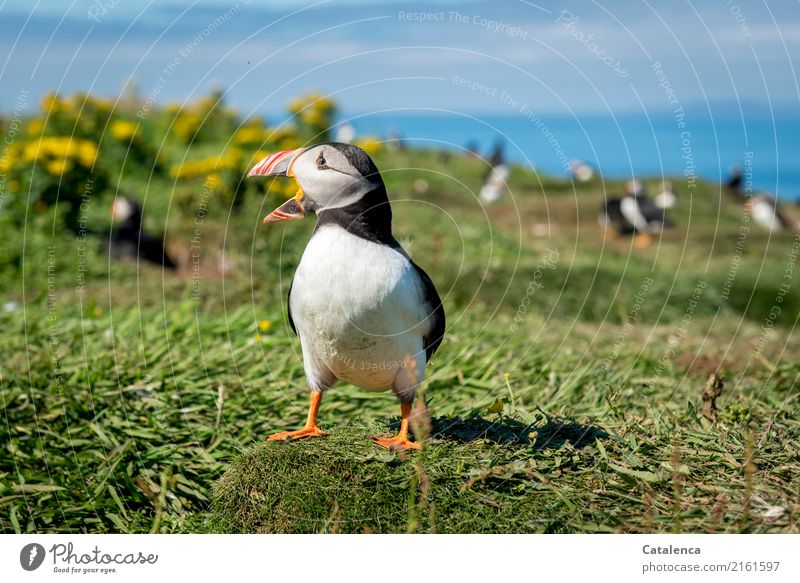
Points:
x=251, y=141
x=58, y=169
x=203, y=121
x=187, y=125
x=254, y=134
x=313, y=116
x=65, y=154
x=79, y=115
x=125, y=148
x=283, y=138
x=231, y=159
x=66, y=150
x=251, y=135
x=226, y=172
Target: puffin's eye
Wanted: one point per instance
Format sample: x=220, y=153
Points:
x=321, y=163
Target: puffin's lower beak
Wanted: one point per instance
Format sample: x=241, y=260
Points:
x=280, y=164
x=288, y=211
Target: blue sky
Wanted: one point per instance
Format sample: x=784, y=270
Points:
x=480, y=57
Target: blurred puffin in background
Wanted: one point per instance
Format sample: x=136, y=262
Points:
x=494, y=183
x=365, y=313
x=633, y=214
x=581, y=171
x=667, y=198
x=735, y=183
x=129, y=240
x=766, y=213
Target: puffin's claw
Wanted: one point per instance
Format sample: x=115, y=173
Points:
x=396, y=443
x=313, y=431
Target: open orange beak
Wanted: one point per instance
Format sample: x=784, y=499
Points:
x=280, y=164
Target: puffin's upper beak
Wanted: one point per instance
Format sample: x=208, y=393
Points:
x=280, y=164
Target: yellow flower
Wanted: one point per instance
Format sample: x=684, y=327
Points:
x=123, y=130
x=87, y=153
x=370, y=145
x=60, y=150
x=232, y=159
x=35, y=127
x=258, y=337
x=248, y=135
x=282, y=188
x=496, y=407
x=212, y=181
x=265, y=325
x=186, y=125
x=311, y=117
x=51, y=102
x=289, y=143
x=58, y=167
x=259, y=155
x=98, y=311
x=313, y=100
x=5, y=163
x=314, y=110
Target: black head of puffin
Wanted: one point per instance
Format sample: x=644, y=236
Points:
x=330, y=176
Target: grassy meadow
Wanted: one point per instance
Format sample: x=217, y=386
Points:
x=583, y=385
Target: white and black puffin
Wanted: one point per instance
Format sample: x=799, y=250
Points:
x=128, y=238
x=365, y=313
x=633, y=213
x=766, y=213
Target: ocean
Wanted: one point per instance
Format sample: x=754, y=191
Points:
x=766, y=149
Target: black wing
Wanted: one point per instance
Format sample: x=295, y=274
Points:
x=611, y=216
x=434, y=338
x=650, y=212
x=289, y=306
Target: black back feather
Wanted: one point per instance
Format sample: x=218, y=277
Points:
x=434, y=338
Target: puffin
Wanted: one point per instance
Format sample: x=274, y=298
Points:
x=735, y=183
x=494, y=182
x=765, y=212
x=581, y=171
x=634, y=214
x=364, y=312
x=612, y=219
x=667, y=198
x=129, y=240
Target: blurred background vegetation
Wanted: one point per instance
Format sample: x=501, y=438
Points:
x=179, y=161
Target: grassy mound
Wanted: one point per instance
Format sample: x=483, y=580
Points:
x=475, y=477
x=504, y=475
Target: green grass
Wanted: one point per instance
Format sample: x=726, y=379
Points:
x=487, y=475
x=467, y=482
x=133, y=407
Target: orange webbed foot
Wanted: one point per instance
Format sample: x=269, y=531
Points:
x=396, y=443
x=642, y=240
x=303, y=433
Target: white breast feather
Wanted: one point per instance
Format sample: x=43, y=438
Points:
x=359, y=310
